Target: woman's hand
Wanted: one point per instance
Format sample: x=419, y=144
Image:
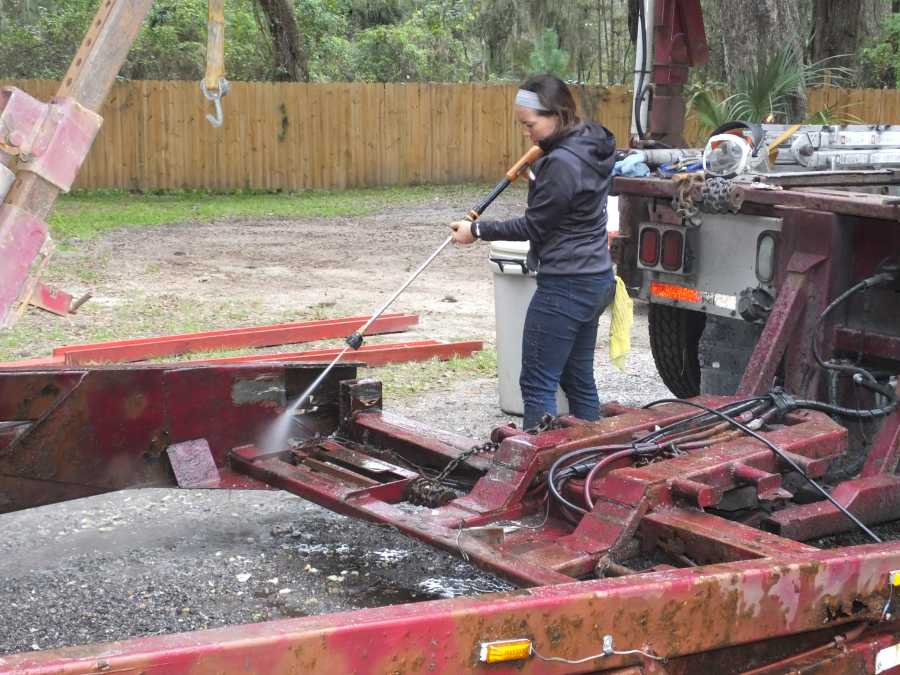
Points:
x=462, y=232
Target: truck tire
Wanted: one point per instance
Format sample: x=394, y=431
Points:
x=725, y=349
x=674, y=340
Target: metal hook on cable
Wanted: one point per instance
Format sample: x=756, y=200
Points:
x=214, y=86
x=216, y=98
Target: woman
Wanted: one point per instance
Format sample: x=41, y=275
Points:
x=565, y=223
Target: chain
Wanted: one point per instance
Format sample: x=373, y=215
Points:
x=430, y=491
x=548, y=423
x=719, y=196
x=683, y=200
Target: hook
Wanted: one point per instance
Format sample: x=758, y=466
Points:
x=216, y=98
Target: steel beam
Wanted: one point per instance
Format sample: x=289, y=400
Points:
x=141, y=349
x=781, y=324
x=370, y=355
x=87, y=82
x=860, y=204
x=669, y=614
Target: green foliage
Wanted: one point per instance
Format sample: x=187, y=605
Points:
x=547, y=57
x=347, y=40
x=421, y=48
x=171, y=44
x=880, y=61
x=763, y=93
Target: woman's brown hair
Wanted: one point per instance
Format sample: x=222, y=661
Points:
x=557, y=98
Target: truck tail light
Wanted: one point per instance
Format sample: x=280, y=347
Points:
x=675, y=292
x=649, y=247
x=672, y=250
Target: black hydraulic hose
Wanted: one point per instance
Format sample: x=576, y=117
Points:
x=785, y=458
x=639, y=91
x=860, y=374
x=733, y=408
x=873, y=413
x=575, y=469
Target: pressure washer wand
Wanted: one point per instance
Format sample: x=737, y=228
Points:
x=355, y=339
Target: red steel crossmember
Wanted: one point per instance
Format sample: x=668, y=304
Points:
x=370, y=355
x=141, y=349
x=555, y=553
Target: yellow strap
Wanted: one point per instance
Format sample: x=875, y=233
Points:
x=215, y=45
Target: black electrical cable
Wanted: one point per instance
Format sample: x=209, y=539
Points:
x=856, y=521
x=733, y=408
x=861, y=375
x=639, y=91
x=559, y=473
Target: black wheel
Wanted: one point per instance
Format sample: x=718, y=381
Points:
x=725, y=349
x=674, y=340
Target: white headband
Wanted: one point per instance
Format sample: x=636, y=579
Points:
x=529, y=99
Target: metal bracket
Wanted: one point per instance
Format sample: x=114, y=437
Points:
x=20, y=119
x=62, y=142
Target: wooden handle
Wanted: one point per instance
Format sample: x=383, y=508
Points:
x=534, y=154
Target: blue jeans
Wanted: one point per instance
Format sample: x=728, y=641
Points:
x=558, y=344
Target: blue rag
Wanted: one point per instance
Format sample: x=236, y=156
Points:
x=633, y=166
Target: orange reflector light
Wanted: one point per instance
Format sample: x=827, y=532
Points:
x=505, y=650
x=674, y=292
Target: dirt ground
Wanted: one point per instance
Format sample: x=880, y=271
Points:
x=144, y=562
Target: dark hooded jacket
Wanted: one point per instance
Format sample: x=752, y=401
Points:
x=566, y=216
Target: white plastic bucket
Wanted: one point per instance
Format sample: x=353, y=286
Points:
x=514, y=285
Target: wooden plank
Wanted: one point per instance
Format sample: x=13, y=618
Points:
x=392, y=137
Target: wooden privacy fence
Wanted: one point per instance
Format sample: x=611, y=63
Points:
x=292, y=136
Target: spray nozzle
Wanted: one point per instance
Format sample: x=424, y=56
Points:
x=355, y=340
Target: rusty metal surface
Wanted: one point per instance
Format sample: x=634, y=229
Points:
x=773, y=341
x=700, y=609
x=59, y=148
x=104, y=429
x=839, y=202
x=193, y=464
x=22, y=241
x=50, y=299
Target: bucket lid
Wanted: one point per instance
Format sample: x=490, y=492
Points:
x=509, y=249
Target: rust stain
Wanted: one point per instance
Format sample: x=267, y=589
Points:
x=135, y=405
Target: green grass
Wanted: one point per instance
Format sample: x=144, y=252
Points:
x=85, y=215
x=409, y=379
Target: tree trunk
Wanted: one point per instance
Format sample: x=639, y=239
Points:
x=841, y=27
x=291, y=63
x=754, y=29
